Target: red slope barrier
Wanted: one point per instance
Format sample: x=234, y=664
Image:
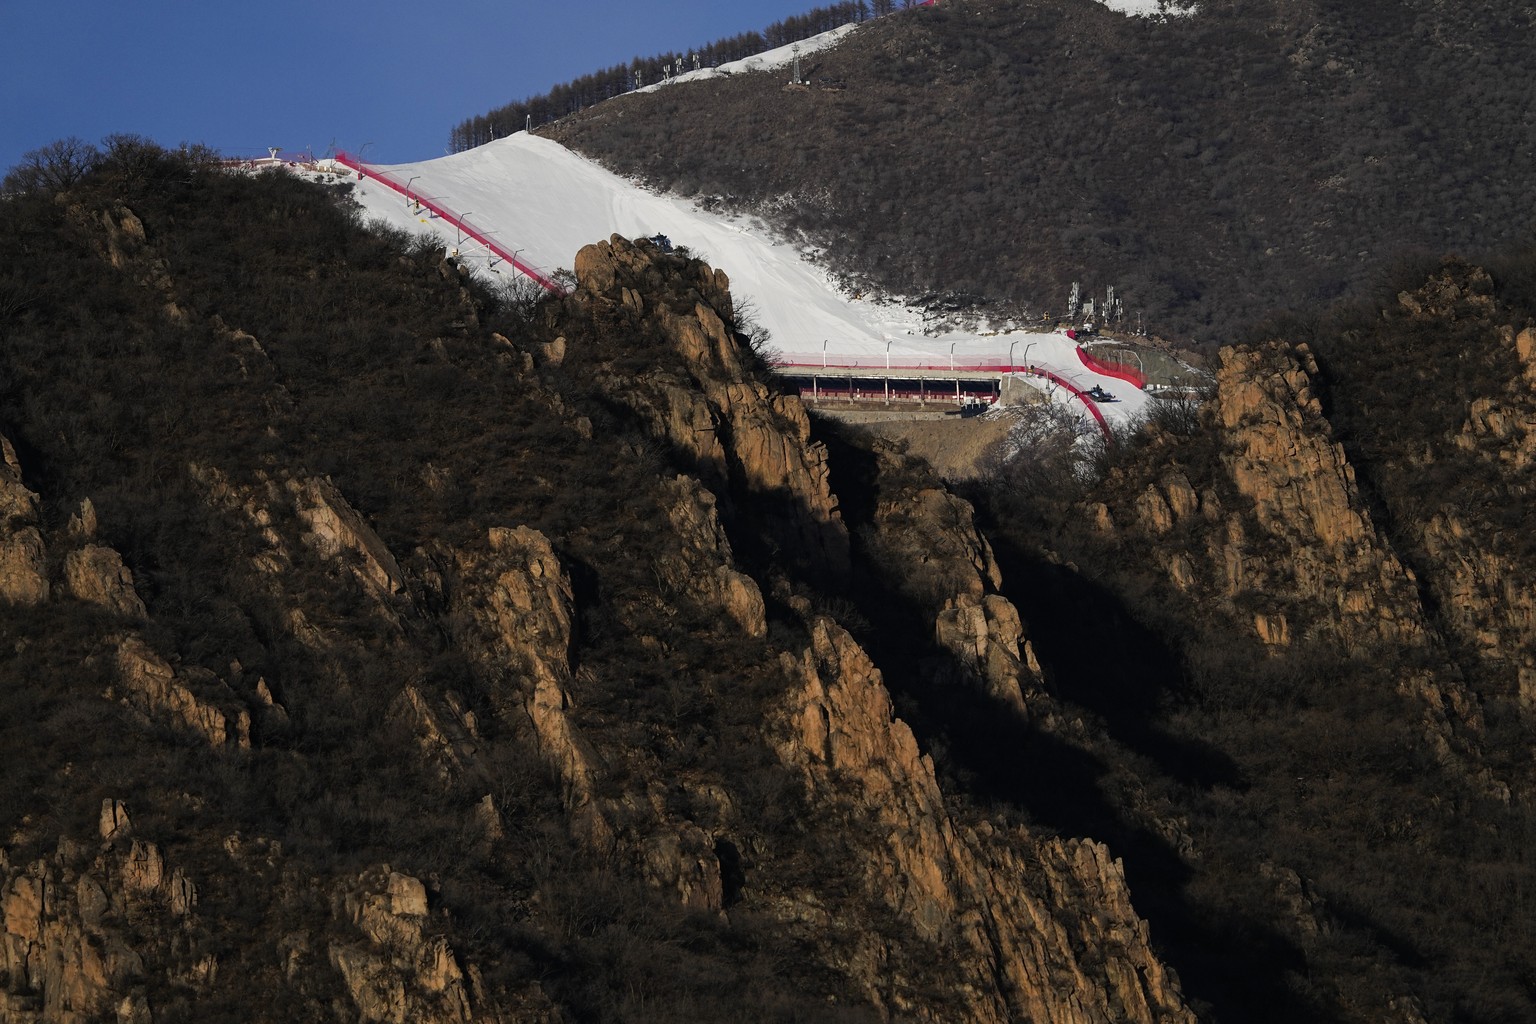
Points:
x=363, y=170
x=1118, y=371
x=1080, y=395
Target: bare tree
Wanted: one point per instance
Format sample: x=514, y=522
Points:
x=52, y=168
x=519, y=295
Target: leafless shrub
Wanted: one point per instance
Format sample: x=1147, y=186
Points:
x=52, y=168
x=758, y=337
x=518, y=295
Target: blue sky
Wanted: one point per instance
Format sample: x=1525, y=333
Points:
x=240, y=76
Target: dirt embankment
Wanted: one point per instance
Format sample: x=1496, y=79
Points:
x=953, y=446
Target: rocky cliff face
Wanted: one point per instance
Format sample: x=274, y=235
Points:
x=77, y=928
x=956, y=884
x=731, y=427
x=1469, y=545
x=1296, y=548
x=1321, y=588
x=23, y=559
x=927, y=539
x=192, y=699
x=1304, y=536
x=1283, y=540
x=1012, y=902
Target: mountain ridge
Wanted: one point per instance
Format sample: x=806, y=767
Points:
x=1215, y=168
x=378, y=646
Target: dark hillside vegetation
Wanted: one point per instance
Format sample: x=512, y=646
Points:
x=570, y=97
x=1454, y=461
x=1254, y=157
x=1375, y=867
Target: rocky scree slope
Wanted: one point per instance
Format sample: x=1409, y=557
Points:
x=373, y=651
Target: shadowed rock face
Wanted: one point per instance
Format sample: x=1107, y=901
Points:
x=732, y=427
x=1282, y=458
x=968, y=884
x=23, y=560
x=1294, y=536
x=705, y=565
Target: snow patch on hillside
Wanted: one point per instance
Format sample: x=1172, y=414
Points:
x=1152, y=8
x=768, y=60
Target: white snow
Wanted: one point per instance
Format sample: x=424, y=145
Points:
x=543, y=202
x=768, y=60
x=1151, y=8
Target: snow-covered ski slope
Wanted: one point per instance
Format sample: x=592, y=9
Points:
x=768, y=60
x=542, y=202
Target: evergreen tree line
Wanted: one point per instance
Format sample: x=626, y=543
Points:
x=642, y=71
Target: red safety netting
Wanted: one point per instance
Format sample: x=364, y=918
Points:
x=1119, y=371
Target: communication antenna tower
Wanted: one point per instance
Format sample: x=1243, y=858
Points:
x=528, y=127
x=1114, y=306
x=1074, y=301
x=798, y=80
